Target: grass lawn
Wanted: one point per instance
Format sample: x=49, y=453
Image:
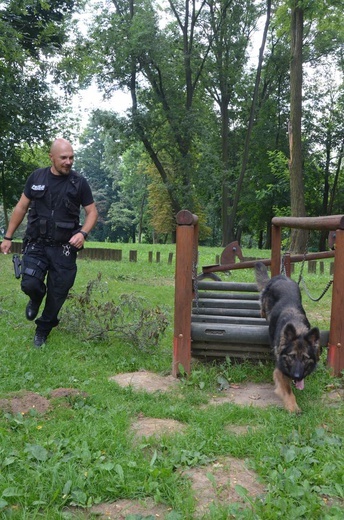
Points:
x=82, y=451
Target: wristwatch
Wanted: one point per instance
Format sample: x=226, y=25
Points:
x=84, y=234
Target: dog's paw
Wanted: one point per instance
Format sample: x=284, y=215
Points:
x=293, y=408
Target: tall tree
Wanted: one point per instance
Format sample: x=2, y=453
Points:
x=161, y=66
x=229, y=28
x=31, y=32
x=297, y=197
x=252, y=117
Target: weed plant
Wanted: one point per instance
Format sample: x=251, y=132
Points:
x=82, y=450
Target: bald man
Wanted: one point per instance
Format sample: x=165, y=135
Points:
x=52, y=198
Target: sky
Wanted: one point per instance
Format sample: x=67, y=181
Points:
x=91, y=98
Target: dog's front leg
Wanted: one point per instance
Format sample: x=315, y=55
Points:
x=284, y=391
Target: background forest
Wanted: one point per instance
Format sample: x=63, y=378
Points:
x=235, y=110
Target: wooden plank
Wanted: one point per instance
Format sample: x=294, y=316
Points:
x=214, y=311
x=330, y=222
x=227, y=286
x=230, y=333
x=237, y=351
x=226, y=304
x=228, y=296
x=243, y=320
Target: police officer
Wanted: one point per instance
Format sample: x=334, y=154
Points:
x=52, y=197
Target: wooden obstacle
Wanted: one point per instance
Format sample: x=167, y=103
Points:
x=226, y=321
x=216, y=319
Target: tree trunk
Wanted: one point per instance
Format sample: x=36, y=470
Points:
x=336, y=177
x=232, y=215
x=326, y=191
x=297, y=198
x=225, y=161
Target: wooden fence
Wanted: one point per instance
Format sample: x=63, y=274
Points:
x=116, y=255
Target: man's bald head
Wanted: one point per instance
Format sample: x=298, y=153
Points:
x=61, y=156
x=60, y=144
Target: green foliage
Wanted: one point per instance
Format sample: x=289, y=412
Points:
x=40, y=24
x=191, y=81
x=31, y=32
x=130, y=320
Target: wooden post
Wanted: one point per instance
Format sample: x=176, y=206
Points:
x=335, y=355
x=132, y=256
x=287, y=264
x=275, y=250
x=117, y=255
x=187, y=235
x=312, y=266
x=322, y=267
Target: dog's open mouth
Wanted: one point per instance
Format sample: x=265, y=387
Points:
x=299, y=384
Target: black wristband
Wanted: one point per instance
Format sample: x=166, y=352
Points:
x=7, y=238
x=84, y=234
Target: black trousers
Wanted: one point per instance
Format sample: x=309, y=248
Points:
x=48, y=270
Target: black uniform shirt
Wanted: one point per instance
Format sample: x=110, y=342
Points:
x=56, y=186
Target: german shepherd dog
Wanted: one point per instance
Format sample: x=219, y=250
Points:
x=294, y=342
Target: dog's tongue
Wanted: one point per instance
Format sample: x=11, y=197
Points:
x=300, y=384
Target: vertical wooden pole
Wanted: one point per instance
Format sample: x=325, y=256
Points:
x=187, y=231
x=287, y=264
x=335, y=354
x=275, y=250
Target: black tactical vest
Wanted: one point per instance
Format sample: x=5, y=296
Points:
x=53, y=221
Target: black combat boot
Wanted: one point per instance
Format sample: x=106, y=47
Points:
x=40, y=338
x=32, y=309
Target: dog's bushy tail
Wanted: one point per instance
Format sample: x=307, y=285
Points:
x=262, y=276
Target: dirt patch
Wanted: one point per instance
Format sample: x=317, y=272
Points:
x=121, y=509
x=212, y=484
x=149, y=426
x=261, y=395
x=216, y=483
x=24, y=402
x=334, y=397
x=147, y=381
x=250, y=394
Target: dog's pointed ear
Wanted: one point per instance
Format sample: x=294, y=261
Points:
x=313, y=338
x=290, y=332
